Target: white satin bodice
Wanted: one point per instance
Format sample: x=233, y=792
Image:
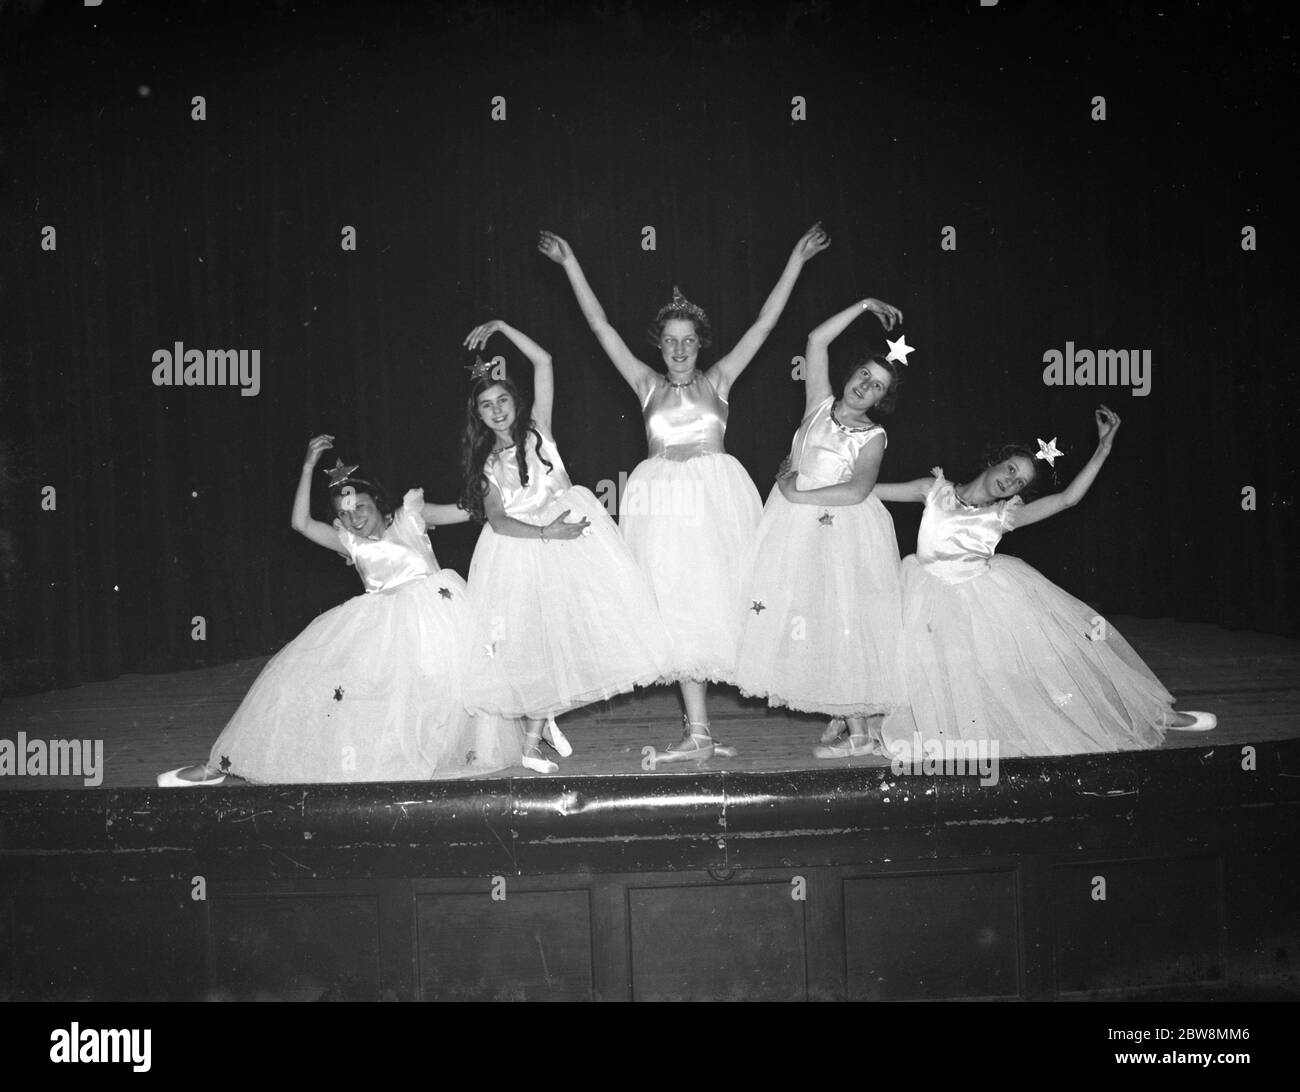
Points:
x=824, y=451
x=544, y=485
x=682, y=422
x=402, y=554
x=956, y=542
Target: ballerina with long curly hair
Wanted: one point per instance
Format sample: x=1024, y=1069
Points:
x=563, y=616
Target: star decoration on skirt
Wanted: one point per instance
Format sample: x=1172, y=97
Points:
x=758, y=607
x=470, y=756
x=225, y=763
x=899, y=349
x=445, y=592
x=491, y=649
x=826, y=519
x=338, y=693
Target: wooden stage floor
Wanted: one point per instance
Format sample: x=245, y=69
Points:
x=151, y=723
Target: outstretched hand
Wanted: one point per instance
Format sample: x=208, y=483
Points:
x=889, y=315
x=1107, y=426
x=478, y=337
x=554, y=247
x=814, y=241
x=317, y=447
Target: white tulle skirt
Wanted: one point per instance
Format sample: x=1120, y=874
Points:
x=1009, y=656
x=689, y=525
x=823, y=614
x=559, y=624
x=370, y=691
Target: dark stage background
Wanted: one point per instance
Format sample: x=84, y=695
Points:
x=174, y=502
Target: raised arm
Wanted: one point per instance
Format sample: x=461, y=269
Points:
x=853, y=491
x=727, y=370
x=320, y=533
x=817, y=381
x=1072, y=494
x=639, y=375
x=543, y=374
x=504, y=524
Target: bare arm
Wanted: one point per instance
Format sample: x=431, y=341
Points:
x=913, y=491
x=543, y=373
x=441, y=515
x=817, y=382
x=1072, y=494
x=842, y=494
x=639, y=375
x=505, y=524
x=727, y=370
x=320, y=533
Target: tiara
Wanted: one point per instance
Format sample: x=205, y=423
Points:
x=478, y=369
x=338, y=473
x=681, y=305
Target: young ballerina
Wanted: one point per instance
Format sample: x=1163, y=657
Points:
x=370, y=690
x=563, y=617
x=823, y=607
x=689, y=509
x=991, y=650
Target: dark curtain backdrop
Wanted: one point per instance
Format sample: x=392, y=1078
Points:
x=174, y=502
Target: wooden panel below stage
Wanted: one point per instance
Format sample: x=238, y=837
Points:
x=1032, y=928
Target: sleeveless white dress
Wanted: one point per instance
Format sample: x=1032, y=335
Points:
x=823, y=609
x=993, y=650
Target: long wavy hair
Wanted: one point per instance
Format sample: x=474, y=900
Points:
x=477, y=441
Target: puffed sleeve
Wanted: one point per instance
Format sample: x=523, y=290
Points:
x=1010, y=510
x=413, y=507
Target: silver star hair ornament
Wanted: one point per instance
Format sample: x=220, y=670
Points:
x=1048, y=452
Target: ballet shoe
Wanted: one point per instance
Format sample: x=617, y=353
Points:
x=835, y=728
x=695, y=747
x=850, y=748
x=172, y=779
x=1204, y=722
x=538, y=764
x=552, y=734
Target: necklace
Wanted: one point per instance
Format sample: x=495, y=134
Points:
x=689, y=382
x=850, y=428
x=966, y=503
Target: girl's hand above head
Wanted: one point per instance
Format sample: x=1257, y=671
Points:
x=889, y=315
x=814, y=241
x=554, y=247
x=557, y=528
x=478, y=337
x=1107, y=426
x=317, y=447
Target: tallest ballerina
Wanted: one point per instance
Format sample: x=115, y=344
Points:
x=689, y=508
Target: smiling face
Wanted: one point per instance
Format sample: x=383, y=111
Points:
x=865, y=387
x=679, y=343
x=496, y=408
x=1009, y=476
x=361, y=518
